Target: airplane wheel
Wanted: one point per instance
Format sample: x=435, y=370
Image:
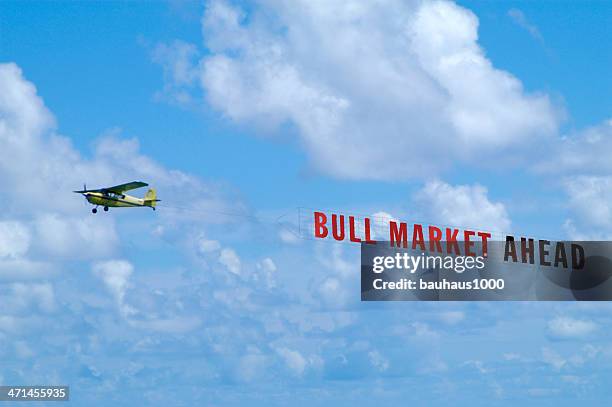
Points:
x=94, y=210
x=106, y=209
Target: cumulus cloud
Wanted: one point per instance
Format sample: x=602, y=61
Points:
x=72, y=237
x=566, y=327
x=586, y=152
x=293, y=359
x=14, y=240
x=340, y=267
x=332, y=291
x=266, y=271
x=42, y=295
x=230, y=260
x=208, y=246
x=553, y=359
x=374, y=92
x=451, y=317
x=24, y=113
x=176, y=324
x=581, y=163
x=335, y=261
x=36, y=161
x=462, y=205
x=590, y=205
x=251, y=365
x=587, y=353
x=177, y=60
x=115, y=274
x=288, y=236
x=378, y=361
x=60, y=237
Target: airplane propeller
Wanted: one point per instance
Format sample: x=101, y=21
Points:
x=83, y=191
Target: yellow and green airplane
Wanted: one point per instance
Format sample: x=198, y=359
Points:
x=115, y=197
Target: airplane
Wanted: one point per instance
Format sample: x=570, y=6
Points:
x=116, y=198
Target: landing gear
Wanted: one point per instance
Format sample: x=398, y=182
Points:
x=106, y=209
x=94, y=210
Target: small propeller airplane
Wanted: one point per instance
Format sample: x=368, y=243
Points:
x=114, y=197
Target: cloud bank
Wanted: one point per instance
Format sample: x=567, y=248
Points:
x=372, y=92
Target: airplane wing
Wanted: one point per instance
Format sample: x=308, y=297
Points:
x=119, y=189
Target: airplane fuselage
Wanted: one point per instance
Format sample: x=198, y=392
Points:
x=113, y=200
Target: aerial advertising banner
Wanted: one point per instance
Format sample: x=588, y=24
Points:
x=403, y=261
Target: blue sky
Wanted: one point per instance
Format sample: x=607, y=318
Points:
x=482, y=114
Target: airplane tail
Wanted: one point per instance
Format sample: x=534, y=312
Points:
x=150, y=198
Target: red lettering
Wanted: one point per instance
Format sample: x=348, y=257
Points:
x=435, y=235
x=484, y=236
x=417, y=237
x=367, y=232
x=353, y=238
x=468, y=245
x=320, y=230
x=451, y=240
x=335, y=227
x=398, y=236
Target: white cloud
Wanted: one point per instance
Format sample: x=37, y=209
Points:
x=267, y=268
x=553, y=359
x=572, y=379
x=587, y=353
x=115, y=274
x=542, y=392
x=175, y=325
x=178, y=61
x=74, y=237
x=267, y=264
x=42, y=295
x=230, y=260
x=374, y=92
x=586, y=152
x=451, y=317
x=486, y=105
x=521, y=20
x=36, y=162
x=208, y=246
x=335, y=261
x=251, y=365
x=288, y=236
x=378, y=361
x=293, y=359
x=24, y=113
x=581, y=162
x=478, y=365
x=512, y=356
x=462, y=205
x=566, y=327
x=333, y=292
x=14, y=240
x=25, y=269
x=590, y=203
x=37, y=234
